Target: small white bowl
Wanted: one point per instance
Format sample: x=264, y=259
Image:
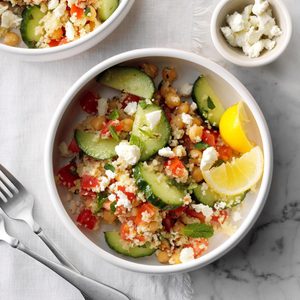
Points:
x=188, y=66
x=236, y=55
x=76, y=47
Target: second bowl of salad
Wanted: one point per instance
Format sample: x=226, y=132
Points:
x=158, y=160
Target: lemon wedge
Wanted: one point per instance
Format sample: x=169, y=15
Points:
x=232, y=130
x=238, y=175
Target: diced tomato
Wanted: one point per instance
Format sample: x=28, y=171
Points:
x=63, y=41
x=88, y=182
x=176, y=166
x=73, y=147
x=219, y=217
x=114, y=123
x=53, y=43
x=168, y=223
x=176, y=213
x=89, y=103
x=192, y=213
x=124, y=231
x=130, y=196
x=67, y=175
x=148, y=207
x=199, y=245
x=130, y=98
x=87, y=219
x=210, y=137
x=225, y=152
x=76, y=10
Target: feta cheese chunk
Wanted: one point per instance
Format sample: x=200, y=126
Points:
x=102, y=106
x=3, y=8
x=52, y=4
x=153, y=118
x=193, y=106
x=130, y=108
x=186, y=119
x=205, y=210
x=110, y=174
x=60, y=10
x=186, y=255
x=186, y=89
x=129, y=153
x=236, y=22
x=10, y=20
x=166, y=152
x=70, y=31
x=123, y=200
x=260, y=6
x=209, y=157
x=228, y=33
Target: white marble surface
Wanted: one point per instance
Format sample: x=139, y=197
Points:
x=265, y=265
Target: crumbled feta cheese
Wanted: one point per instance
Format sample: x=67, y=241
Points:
x=260, y=6
x=70, y=31
x=209, y=157
x=104, y=183
x=269, y=44
x=60, y=10
x=130, y=108
x=254, y=50
x=123, y=200
x=146, y=217
x=220, y=205
x=186, y=119
x=129, y=153
x=179, y=151
x=112, y=197
x=148, y=101
x=166, y=152
x=253, y=35
x=186, y=89
x=229, y=35
x=153, y=118
x=193, y=106
x=186, y=254
x=10, y=20
x=187, y=199
x=110, y=174
x=3, y=8
x=52, y=4
x=275, y=31
x=236, y=216
x=236, y=22
x=178, y=133
x=204, y=209
x=102, y=106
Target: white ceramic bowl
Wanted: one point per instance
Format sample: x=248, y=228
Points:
x=236, y=55
x=188, y=66
x=76, y=47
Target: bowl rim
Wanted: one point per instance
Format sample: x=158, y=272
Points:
x=246, y=61
x=54, y=50
x=262, y=193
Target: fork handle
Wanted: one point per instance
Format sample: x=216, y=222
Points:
x=91, y=289
x=40, y=233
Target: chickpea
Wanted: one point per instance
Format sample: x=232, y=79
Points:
x=175, y=258
x=183, y=108
x=150, y=69
x=169, y=74
x=57, y=34
x=11, y=39
x=127, y=124
x=153, y=226
x=172, y=100
x=195, y=153
x=197, y=174
x=164, y=245
x=97, y=122
x=178, y=226
x=195, y=133
x=197, y=121
x=108, y=217
x=177, y=122
x=162, y=257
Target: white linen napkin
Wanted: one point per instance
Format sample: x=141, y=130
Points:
x=29, y=94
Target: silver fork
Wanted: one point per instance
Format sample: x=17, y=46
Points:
x=17, y=204
x=91, y=289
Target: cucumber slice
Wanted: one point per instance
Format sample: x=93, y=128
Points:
x=91, y=144
x=209, y=105
x=149, y=140
x=31, y=17
x=157, y=188
x=128, y=79
x=106, y=9
x=204, y=194
x=115, y=242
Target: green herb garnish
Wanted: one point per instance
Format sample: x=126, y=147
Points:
x=114, y=115
x=201, y=146
x=113, y=133
x=109, y=167
x=210, y=103
x=101, y=198
x=143, y=104
x=113, y=206
x=87, y=10
x=198, y=230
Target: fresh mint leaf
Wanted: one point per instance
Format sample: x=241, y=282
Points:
x=109, y=167
x=114, y=115
x=201, y=146
x=113, y=133
x=113, y=206
x=101, y=198
x=198, y=230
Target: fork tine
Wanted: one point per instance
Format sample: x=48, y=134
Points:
x=5, y=190
x=4, y=199
x=9, y=179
